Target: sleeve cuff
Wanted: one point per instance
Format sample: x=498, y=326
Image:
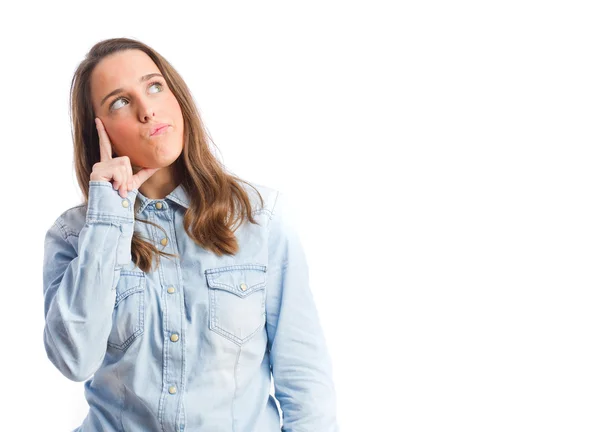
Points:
x=106, y=205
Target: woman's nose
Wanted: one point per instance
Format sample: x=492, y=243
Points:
x=146, y=111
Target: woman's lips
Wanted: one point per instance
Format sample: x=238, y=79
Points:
x=161, y=130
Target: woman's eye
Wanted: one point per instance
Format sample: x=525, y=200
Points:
x=113, y=106
x=157, y=84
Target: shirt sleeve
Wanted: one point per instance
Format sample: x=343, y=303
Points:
x=300, y=362
x=79, y=283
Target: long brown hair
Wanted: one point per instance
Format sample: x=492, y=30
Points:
x=215, y=194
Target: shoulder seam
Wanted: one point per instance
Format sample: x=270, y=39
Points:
x=271, y=211
x=64, y=229
x=58, y=223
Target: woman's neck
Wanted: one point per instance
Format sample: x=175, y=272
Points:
x=160, y=184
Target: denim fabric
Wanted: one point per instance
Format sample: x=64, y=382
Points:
x=192, y=345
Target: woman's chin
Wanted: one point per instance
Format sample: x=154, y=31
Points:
x=160, y=159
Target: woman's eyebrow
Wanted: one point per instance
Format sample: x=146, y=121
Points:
x=119, y=90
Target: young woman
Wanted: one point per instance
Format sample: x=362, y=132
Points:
x=176, y=289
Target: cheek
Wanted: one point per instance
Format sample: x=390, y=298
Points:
x=121, y=131
x=175, y=111
x=122, y=137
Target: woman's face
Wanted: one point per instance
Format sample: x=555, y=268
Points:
x=130, y=115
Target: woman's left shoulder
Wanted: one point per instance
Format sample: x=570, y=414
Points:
x=255, y=192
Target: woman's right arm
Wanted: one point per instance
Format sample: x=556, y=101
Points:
x=79, y=285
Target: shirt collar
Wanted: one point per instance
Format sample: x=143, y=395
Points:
x=177, y=195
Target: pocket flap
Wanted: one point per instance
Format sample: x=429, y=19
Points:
x=130, y=282
x=241, y=280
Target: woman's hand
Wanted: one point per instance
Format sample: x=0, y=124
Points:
x=117, y=170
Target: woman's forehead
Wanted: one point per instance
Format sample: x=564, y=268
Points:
x=120, y=70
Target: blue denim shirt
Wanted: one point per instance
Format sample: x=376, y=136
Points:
x=190, y=346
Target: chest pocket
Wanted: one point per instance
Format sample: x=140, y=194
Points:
x=128, y=315
x=237, y=300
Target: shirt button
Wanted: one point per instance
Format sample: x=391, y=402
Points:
x=243, y=286
x=174, y=337
x=170, y=290
x=164, y=241
x=172, y=389
x=125, y=203
x=159, y=205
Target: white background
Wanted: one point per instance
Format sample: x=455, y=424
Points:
x=442, y=159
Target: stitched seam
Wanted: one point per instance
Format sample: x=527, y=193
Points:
x=236, y=267
x=176, y=261
x=180, y=202
x=127, y=293
x=136, y=273
x=233, y=338
x=235, y=383
x=233, y=290
x=94, y=217
x=260, y=210
x=72, y=234
x=272, y=212
x=61, y=228
x=153, y=236
x=223, y=332
x=236, y=340
x=99, y=183
x=128, y=341
x=122, y=399
x=64, y=229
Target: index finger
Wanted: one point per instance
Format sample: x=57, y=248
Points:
x=142, y=175
x=105, y=145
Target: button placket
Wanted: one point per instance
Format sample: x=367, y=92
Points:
x=174, y=352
